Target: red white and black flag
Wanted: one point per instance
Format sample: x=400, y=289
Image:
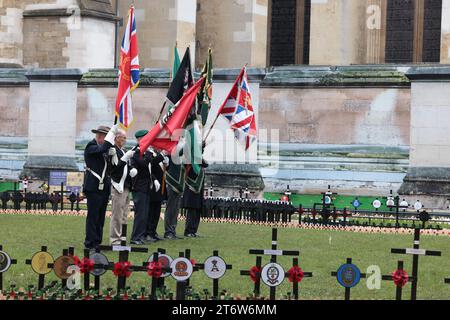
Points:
x=162, y=135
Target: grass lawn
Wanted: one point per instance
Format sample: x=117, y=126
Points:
x=321, y=252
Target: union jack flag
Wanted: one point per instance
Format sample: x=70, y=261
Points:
x=128, y=72
x=238, y=110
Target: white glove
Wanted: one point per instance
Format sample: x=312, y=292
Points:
x=114, y=160
x=128, y=155
x=111, y=136
x=157, y=185
x=133, y=172
x=166, y=161
x=115, y=129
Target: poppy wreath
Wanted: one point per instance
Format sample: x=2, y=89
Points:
x=400, y=278
x=86, y=265
x=154, y=269
x=255, y=273
x=122, y=269
x=296, y=274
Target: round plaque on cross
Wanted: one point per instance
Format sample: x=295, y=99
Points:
x=215, y=267
x=165, y=261
x=60, y=266
x=182, y=269
x=5, y=261
x=272, y=274
x=99, y=259
x=40, y=262
x=348, y=275
x=376, y=204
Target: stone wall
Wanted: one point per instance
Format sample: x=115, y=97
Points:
x=45, y=42
x=305, y=114
x=14, y=103
x=236, y=30
x=338, y=32
x=338, y=115
x=160, y=25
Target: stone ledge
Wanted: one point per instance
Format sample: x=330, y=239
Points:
x=62, y=75
x=429, y=73
x=13, y=77
x=330, y=76
x=109, y=77
x=254, y=74
x=231, y=177
x=47, y=13
x=433, y=181
x=40, y=166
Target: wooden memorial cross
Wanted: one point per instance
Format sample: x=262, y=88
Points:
x=62, y=193
x=155, y=279
x=5, y=263
x=187, y=254
x=42, y=267
x=65, y=253
x=161, y=280
x=416, y=252
x=295, y=284
x=86, y=274
x=124, y=252
x=348, y=276
x=202, y=266
x=181, y=285
x=274, y=252
x=399, y=290
x=257, y=285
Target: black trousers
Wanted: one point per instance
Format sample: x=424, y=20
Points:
x=141, y=206
x=192, y=221
x=97, y=203
x=154, y=214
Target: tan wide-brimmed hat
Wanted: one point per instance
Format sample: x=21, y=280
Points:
x=101, y=129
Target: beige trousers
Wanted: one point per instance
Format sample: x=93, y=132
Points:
x=119, y=216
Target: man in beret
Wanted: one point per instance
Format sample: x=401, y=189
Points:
x=142, y=183
x=97, y=185
x=157, y=195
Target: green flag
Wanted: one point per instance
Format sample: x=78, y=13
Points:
x=176, y=62
x=205, y=95
x=194, y=139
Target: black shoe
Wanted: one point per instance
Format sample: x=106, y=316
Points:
x=149, y=241
x=137, y=242
x=197, y=235
x=190, y=235
x=157, y=237
x=172, y=237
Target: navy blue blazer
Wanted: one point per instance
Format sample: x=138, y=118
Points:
x=94, y=157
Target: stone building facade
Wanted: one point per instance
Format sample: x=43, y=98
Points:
x=262, y=33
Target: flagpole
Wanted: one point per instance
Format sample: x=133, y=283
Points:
x=218, y=113
x=171, y=76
